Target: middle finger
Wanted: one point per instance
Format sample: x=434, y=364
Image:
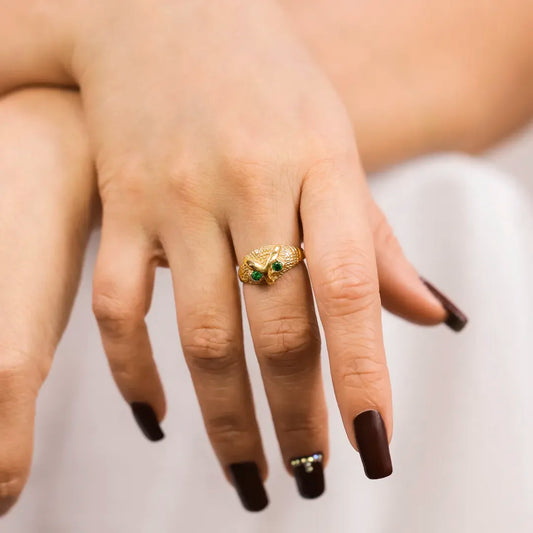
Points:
x=210, y=325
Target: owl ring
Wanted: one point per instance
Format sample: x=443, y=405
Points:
x=268, y=263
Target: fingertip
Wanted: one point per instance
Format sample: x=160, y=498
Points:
x=405, y=295
x=147, y=421
x=454, y=318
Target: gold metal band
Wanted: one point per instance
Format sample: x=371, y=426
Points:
x=268, y=263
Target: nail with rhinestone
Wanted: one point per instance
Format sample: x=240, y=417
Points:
x=309, y=474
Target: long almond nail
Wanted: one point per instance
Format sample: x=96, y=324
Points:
x=455, y=319
x=309, y=475
x=247, y=482
x=373, y=444
x=147, y=421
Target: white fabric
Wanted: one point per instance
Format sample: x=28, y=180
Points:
x=463, y=403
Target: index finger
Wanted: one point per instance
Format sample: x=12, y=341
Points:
x=342, y=266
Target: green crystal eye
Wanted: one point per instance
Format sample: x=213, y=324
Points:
x=256, y=275
x=277, y=266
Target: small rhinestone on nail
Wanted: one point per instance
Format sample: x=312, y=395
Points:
x=307, y=461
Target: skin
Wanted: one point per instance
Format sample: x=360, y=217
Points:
x=156, y=210
x=425, y=77
x=49, y=124
x=48, y=203
x=420, y=77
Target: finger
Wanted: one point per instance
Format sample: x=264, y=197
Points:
x=342, y=266
x=210, y=325
x=403, y=291
x=122, y=291
x=287, y=341
x=46, y=207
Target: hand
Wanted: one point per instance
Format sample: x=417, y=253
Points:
x=48, y=203
x=49, y=125
x=215, y=133
x=177, y=182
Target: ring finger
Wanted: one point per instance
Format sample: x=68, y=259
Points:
x=286, y=339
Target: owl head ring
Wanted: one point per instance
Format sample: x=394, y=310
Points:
x=267, y=264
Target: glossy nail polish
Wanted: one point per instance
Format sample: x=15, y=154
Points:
x=249, y=486
x=373, y=444
x=147, y=420
x=309, y=475
x=455, y=319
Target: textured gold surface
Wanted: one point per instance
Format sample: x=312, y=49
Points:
x=262, y=260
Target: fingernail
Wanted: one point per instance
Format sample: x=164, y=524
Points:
x=147, y=420
x=247, y=482
x=309, y=475
x=373, y=444
x=455, y=319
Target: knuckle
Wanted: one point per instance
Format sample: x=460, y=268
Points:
x=303, y=426
x=128, y=370
x=327, y=155
x=327, y=161
x=123, y=181
x=364, y=373
x=245, y=154
x=256, y=176
x=229, y=429
x=20, y=374
x=288, y=342
x=116, y=316
x=185, y=183
x=10, y=374
x=210, y=347
x=255, y=186
x=347, y=286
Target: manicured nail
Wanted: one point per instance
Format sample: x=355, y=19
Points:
x=455, y=319
x=147, y=421
x=247, y=482
x=309, y=475
x=373, y=444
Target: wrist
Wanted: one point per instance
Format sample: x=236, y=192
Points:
x=115, y=32
x=35, y=42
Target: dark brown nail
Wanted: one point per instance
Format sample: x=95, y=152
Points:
x=373, y=444
x=456, y=319
x=247, y=482
x=147, y=421
x=309, y=475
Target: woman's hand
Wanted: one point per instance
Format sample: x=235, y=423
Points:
x=56, y=188
x=48, y=203
x=214, y=133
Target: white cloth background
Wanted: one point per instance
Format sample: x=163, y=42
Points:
x=463, y=402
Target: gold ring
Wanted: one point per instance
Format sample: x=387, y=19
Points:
x=268, y=263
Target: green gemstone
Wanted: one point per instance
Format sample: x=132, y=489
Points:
x=277, y=266
x=256, y=275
